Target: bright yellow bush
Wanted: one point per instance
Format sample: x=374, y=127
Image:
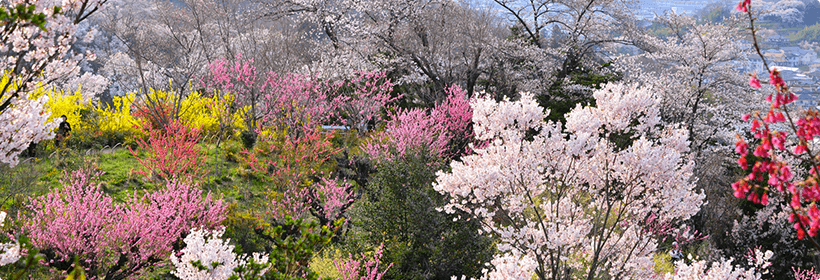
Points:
x=118, y=118
x=72, y=106
x=205, y=112
x=202, y=112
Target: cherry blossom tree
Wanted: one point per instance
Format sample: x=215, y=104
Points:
x=757, y=260
x=694, y=70
x=572, y=201
x=37, y=46
x=36, y=49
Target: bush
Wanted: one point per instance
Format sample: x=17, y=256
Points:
x=399, y=209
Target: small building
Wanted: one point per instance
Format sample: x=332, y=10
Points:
x=776, y=40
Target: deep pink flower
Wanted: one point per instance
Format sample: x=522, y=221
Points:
x=743, y=6
x=775, y=79
x=754, y=82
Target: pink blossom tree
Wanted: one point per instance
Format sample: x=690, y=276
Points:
x=293, y=101
x=350, y=268
x=566, y=202
x=115, y=240
x=171, y=151
x=444, y=131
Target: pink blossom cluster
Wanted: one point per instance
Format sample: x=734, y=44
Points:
x=80, y=220
x=364, y=95
x=286, y=160
x=410, y=131
x=327, y=200
x=25, y=122
x=435, y=131
x=350, y=268
x=295, y=102
x=772, y=170
x=805, y=274
x=456, y=116
x=785, y=145
x=578, y=194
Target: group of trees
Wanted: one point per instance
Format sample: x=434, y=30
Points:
x=540, y=138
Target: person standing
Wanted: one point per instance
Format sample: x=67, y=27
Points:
x=63, y=131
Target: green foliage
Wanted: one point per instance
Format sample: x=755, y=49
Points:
x=290, y=245
x=25, y=14
x=399, y=210
x=560, y=102
x=810, y=33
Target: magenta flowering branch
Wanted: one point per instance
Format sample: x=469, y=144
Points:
x=772, y=172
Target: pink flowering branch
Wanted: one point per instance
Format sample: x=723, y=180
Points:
x=444, y=132
x=806, y=274
x=772, y=172
x=287, y=161
x=362, y=97
x=293, y=204
x=410, y=131
x=456, y=115
x=329, y=200
x=295, y=102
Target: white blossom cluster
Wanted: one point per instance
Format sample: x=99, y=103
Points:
x=573, y=200
x=723, y=270
x=25, y=122
x=11, y=251
x=215, y=254
x=48, y=50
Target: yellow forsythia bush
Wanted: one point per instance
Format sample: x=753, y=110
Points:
x=78, y=112
x=204, y=112
x=199, y=111
x=118, y=118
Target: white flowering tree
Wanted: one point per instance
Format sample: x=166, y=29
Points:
x=35, y=49
x=576, y=201
x=207, y=257
x=695, y=71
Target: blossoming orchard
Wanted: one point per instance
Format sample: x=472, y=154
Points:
x=409, y=139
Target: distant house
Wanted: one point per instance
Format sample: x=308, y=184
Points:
x=814, y=73
x=796, y=56
x=777, y=57
x=776, y=40
x=806, y=101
